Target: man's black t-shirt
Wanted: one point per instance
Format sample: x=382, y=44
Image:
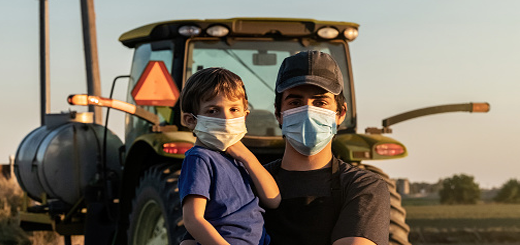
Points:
x=310, y=214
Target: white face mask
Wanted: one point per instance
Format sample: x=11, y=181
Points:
x=218, y=133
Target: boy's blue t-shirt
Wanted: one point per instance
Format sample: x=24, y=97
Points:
x=232, y=206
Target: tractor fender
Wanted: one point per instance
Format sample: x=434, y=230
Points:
x=358, y=147
x=145, y=152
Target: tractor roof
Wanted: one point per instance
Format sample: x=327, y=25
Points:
x=285, y=27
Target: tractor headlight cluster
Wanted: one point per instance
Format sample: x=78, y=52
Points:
x=215, y=31
x=189, y=31
x=328, y=32
x=220, y=30
x=350, y=33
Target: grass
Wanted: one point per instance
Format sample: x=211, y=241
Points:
x=10, y=232
x=458, y=224
x=478, y=211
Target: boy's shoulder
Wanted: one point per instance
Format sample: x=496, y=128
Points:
x=199, y=150
x=204, y=153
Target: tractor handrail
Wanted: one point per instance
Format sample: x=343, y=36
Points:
x=85, y=99
x=468, y=107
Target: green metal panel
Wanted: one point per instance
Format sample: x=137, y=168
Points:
x=358, y=147
x=156, y=141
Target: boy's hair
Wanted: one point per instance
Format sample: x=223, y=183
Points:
x=207, y=83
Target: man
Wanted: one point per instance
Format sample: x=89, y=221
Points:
x=324, y=200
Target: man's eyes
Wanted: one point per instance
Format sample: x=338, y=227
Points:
x=294, y=102
x=317, y=103
x=320, y=103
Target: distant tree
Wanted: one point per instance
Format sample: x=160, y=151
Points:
x=459, y=189
x=509, y=192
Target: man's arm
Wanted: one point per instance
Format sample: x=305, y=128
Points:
x=265, y=184
x=353, y=241
x=365, y=214
x=193, y=210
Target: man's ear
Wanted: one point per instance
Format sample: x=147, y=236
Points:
x=341, y=116
x=189, y=120
x=278, y=115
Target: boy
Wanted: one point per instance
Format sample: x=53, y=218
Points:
x=219, y=206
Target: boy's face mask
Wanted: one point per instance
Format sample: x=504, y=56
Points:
x=218, y=133
x=308, y=128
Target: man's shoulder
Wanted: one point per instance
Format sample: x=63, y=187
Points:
x=273, y=166
x=353, y=173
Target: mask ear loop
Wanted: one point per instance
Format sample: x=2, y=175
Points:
x=193, y=133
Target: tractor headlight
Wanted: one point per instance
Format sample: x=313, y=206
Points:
x=189, y=31
x=328, y=32
x=217, y=31
x=176, y=148
x=389, y=149
x=350, y=33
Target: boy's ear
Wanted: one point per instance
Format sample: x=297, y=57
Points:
x=189, y=120
x=247, y=112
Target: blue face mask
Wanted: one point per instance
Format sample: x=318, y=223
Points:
x=308, y=128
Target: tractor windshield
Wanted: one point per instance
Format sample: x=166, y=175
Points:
x=257, y=63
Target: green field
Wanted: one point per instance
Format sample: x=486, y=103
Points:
x=464, y=224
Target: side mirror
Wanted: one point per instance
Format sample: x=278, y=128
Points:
x=262, y=58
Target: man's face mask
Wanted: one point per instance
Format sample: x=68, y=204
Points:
x=218, y=133
x=308, y=128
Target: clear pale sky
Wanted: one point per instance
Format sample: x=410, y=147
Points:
x=409, y=55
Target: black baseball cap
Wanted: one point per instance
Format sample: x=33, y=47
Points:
x=310, y=67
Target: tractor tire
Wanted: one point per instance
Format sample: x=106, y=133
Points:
x=156, y=216
x=399, y=230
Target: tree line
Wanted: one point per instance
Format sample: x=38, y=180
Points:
x=463, y=189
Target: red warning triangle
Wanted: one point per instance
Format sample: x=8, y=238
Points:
x=155, y=86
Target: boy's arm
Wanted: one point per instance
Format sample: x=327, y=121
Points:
x=265, y=184
x=193, y=209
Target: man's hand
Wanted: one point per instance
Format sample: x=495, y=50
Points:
x=353, y=241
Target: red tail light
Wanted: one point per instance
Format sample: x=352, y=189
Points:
x=389, y=149
x=177, y=148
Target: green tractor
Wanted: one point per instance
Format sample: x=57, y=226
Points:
x=127, y=193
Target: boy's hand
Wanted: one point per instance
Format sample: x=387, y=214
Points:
x=240, y=152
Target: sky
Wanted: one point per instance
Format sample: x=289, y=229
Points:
x=409, y=55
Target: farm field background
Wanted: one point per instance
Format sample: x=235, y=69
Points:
x=463, y=224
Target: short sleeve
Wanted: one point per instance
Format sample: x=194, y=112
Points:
x=195, y=178
x=366, y=210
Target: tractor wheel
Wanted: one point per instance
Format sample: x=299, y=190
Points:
x=399, y=230
x=156, y=216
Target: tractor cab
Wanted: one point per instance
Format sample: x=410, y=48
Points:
x=251, y=48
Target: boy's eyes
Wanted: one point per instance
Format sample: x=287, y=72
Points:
x=217, y=110
x=212, y=111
